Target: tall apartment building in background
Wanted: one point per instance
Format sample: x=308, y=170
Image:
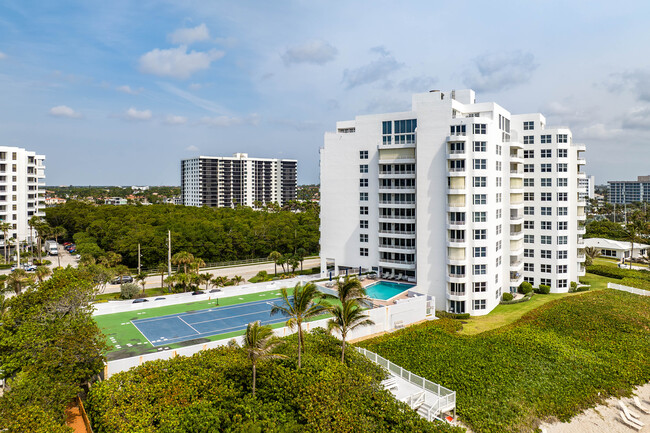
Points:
x=629, y=191
x=217, y=181
x=463, y=198
x=587, y=187
x=22, y=190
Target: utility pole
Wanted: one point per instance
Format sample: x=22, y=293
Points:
x=169, y=253
x=139, y=270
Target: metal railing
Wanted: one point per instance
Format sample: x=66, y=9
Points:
x=446, y=398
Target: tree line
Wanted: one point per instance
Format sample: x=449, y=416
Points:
x=215, y=235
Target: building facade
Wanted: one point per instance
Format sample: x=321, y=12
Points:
x=237, y=180
x=22, y=190
x=587, y=187
x=463, y=198
x=625, y=192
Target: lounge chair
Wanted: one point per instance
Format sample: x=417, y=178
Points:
x=390, y=383
x=629, y=423
x=640, y=405
x=399, y=277
x=632, y=416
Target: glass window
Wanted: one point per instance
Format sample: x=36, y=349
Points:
x=529, y=125
x=363, y=154
x=363, y=168
x=480, y=164
x=480, y=146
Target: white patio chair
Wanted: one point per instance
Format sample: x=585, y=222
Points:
x=640, y=405
x=632, y=416
x=628, y=422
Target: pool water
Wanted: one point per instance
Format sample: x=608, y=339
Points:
x=385, y=290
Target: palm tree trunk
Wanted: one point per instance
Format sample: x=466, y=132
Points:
x=342, y=348
x=276, y=268
x=254, y=377
x=299, y=345
x=58, y=253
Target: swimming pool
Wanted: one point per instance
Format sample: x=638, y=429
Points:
x=385, y=290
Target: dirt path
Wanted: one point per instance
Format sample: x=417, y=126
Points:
x=74, y=419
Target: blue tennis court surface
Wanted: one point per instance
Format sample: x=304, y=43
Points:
x=175, y=328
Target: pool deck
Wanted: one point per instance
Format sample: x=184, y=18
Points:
x=367, y=282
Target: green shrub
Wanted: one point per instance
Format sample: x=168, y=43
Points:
x=525, y=287
x=129, y=291
x=507, y=297
x=42, y=262
x=574, y=285
x=445, y=315
x=520, y=300
x=543, y=289
x=618, y=273
x=635, y=282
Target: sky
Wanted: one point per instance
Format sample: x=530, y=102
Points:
x=118, y=92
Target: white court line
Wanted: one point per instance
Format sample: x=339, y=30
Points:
x=229, y=317
x=210, y=334
x=139, y=330
x=181, y=319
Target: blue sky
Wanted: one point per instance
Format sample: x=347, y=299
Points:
x=118, y=92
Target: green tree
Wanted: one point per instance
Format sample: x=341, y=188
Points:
x=304, y=303
x=591, y=253
x=633, y=231
x=42, y=272
x=4, y=228
x=184, y=259
x=300, y=255
x=205, y=278
x=219, y=281
x=18, y=279
x=275, y=257
x=347, y=317
x=142, y=279
x=259, y=344
x=237, y=279
x=58, y=232
x=162, y=270
x=350, y=288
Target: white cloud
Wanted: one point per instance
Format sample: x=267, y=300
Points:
x=373, y=71
x=252, y=119
x=129, y=90
x=637, y=81
x=175, y=120
x=192, y=148
x=188, y=36
x=417, y=84
x=598, y=131
x=64, y=111
x=637, y=118
x=177, y=62
x=2, y=55
x=133, y=114
x=316, y=52
x=193, y=99
x=496, y=72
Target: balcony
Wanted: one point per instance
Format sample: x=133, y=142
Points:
x=457, y=242
x=397, y=217
x=399, y=264
x=582, y=230
x=515, y=276
x=456, y=275
x=399, y=248
x=582, y=258
x=459, y=136
x=517, y=218
x=582, y=161
x=581, y=243
x=450, y=293
x=397, y=232
x=516, y=235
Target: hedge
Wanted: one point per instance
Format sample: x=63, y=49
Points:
x=526, y=298
x=445, y=315
x=618, y=273
x=635, y=282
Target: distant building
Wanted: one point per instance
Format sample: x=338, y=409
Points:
x=116, y=201
x=586, y=187
x=616, y=249
x=629, y=191
x=140, y=188
x=53, y=201
x=217, y=181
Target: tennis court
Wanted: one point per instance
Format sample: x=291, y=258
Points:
x=175, y=328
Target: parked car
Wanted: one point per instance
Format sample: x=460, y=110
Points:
x=30, y=268
x=198, y=292
x=139, y=301
x=122, y=280
x=160, y=299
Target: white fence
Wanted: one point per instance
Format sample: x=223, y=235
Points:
x=446, y=397
x=408, y=311
x=634, y=290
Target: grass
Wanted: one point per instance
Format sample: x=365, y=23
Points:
x=614, y=262
x=155, y=291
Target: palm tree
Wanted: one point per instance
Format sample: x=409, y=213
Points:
x=42, y=229
x=205, y=278
x=633, y=234
x=58, y=232
x=18, y=279
x=142, y=279
x=275, y=257
x=259, y=343
x=120, y=271
x=237, y=279
x=219, y=281
x=196, y=265
x=350, y=288
x=347, y=317
x=183, y=258
x=591, y=253
x=170, y=280
x=162, y=269
x=4, y=228
x=300, y=255
x=304, y=303
x=42, y=272
x=183, y=279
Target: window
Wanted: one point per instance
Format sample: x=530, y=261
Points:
x=529, y=210
x=546, y=168
x=562, y=284
x=547, y=182
x=363, y=224
x=529, y=267
x=457, y=165
x=480, y=128
x=479, y=304
x=529, y=168
x=562, y=181
x=546, y=211
x=499, y=229
x=529, y=139
x=363, y=196
x=387, y=139
x=529, y=154
x=479, y=217
x=499, y=147
x=480, y=146
x=498, y=245
x=480, y=198
x=529, y=239
x=529, y=196
x=545, y=281
x=546, y=153
x=480, y=251
x=363, y=237
x=547, y=196
x=499, y=197
x=479, y=269
x=530, y=253
x=363, y=183
x=480, y=181
x=546, y=268
x=529, y=225
x=405, y=126
x=547, y=225
x=498, y=165
x=480, y=164
x=387, y=127
x=562, y=211
x=530, y=280
x=480, y=234
x=363, y=154
x=562, y=240
x=480, y=286
x=546, y=240
x=363, y=168
x=562, y=153
x=562, y=225
x=497, y=264
x=529, y=182
x=457, y=288
x=545, y=254
x=562, y=269
x=561, y=138
x=498, y=213
x=499, y=179
x=545, y=139
x=562, y=168
x=363, y=252
x=457, y=235
x=562, y=254
x=529, y=125
x=457, y=129
x=562, y=196
x=363, y=210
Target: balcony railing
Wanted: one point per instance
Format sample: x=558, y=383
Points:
x=399, y=262
x=398, y=247
x=457, y=293
x=456, y=275
x=398, y=217
x=397, y=232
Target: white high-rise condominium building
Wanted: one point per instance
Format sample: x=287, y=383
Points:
x=464, y=198
x=217, y=181
x=22, y=190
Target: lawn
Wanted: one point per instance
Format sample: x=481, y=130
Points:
x=554, y=361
